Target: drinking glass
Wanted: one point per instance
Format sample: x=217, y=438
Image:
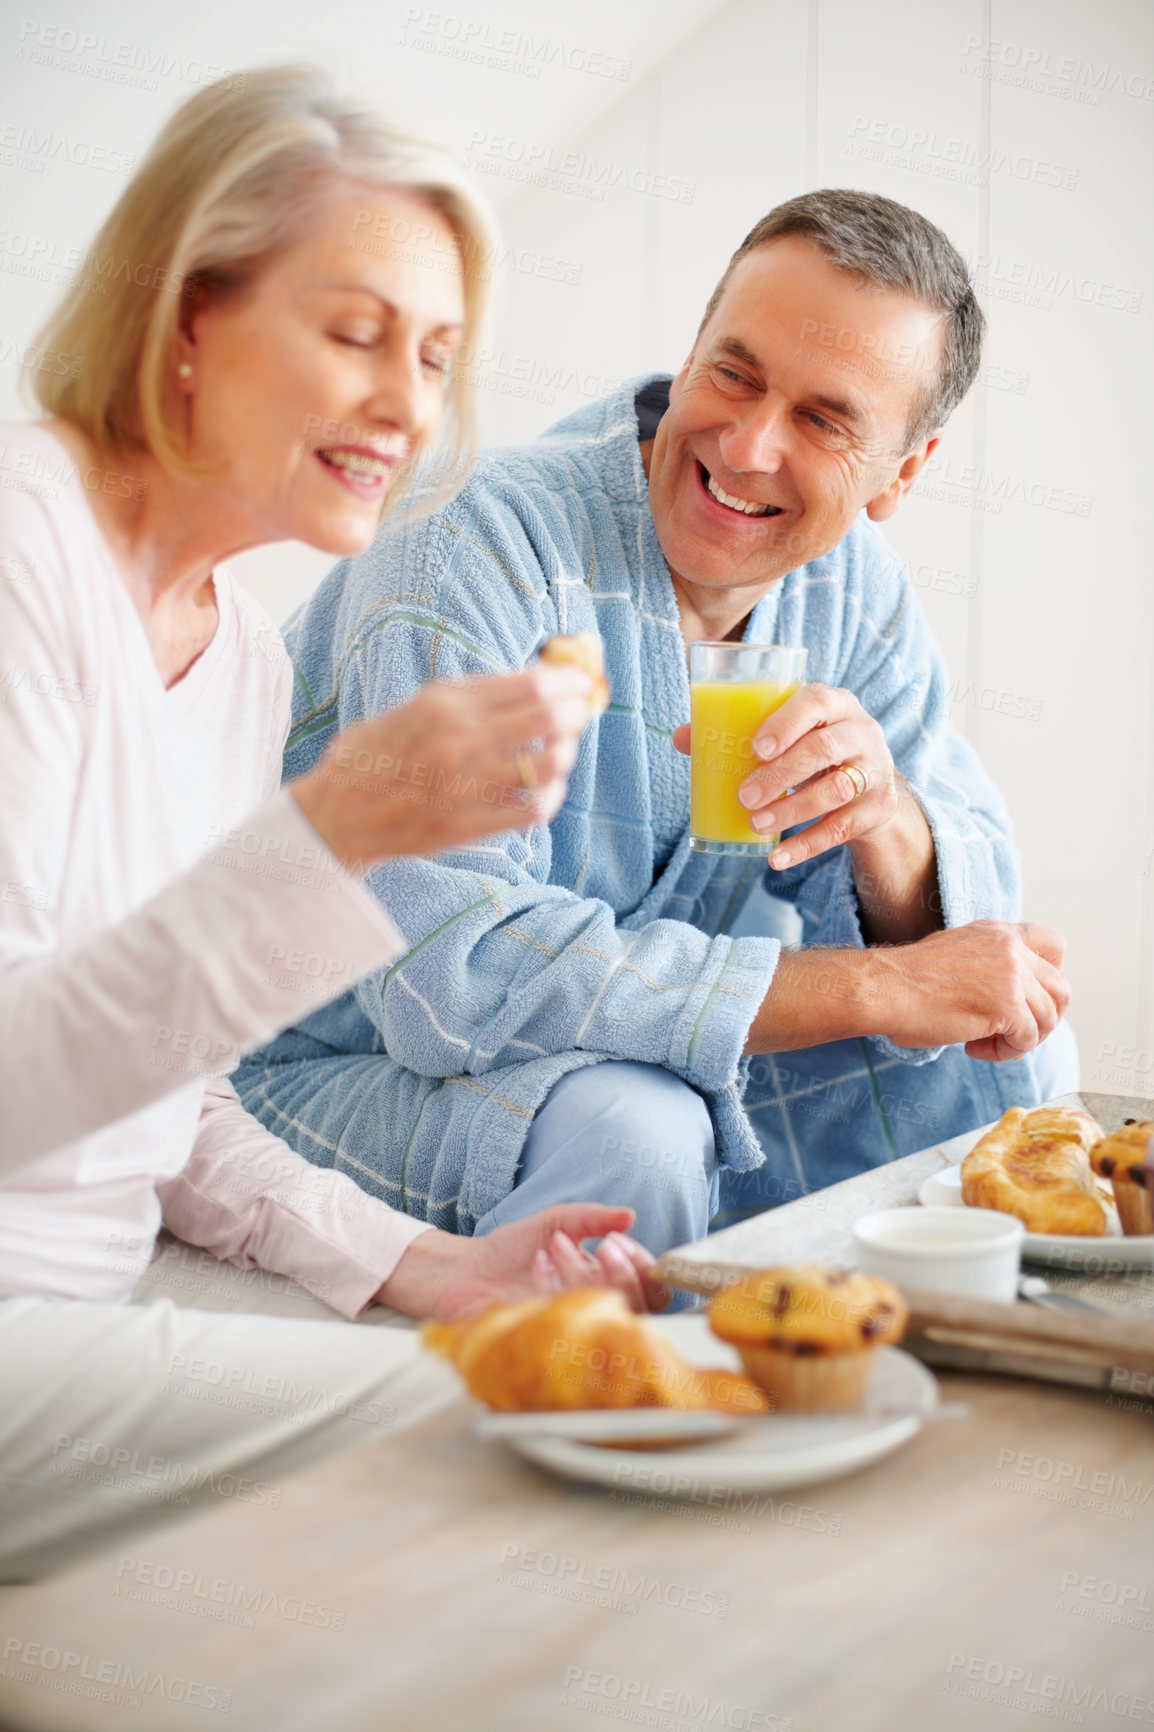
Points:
x=733, y=687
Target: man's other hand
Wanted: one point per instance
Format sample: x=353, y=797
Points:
x=996, y=988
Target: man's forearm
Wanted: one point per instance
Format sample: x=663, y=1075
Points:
x=816, y=996
x=997, y=989
x=896, y=874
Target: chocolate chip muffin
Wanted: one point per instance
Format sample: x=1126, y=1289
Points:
x=807, y=1335
x=1124, y=1159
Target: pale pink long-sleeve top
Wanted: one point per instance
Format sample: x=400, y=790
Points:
x=163, y=906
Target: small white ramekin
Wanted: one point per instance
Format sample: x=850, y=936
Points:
x=971, y=1251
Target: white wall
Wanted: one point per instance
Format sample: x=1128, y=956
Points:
x=1024, y=127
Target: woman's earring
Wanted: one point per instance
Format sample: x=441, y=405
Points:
x=185, y=369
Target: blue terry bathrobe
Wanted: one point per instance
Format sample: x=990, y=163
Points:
x=603, y=935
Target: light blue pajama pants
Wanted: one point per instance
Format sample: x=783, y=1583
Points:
x=620, y=1133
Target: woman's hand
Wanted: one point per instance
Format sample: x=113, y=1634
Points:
x=443, y=1275
x=457, y=762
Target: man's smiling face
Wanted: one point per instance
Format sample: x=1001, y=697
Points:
x=774, y=439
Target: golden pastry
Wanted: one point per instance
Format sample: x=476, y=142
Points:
x=1124, y=1159
x=580, y=1349
x=1036, y=1165
x=807, y=1335
x=582, y=650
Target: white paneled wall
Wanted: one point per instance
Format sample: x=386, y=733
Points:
x=1068, y=602
x=1024, y=127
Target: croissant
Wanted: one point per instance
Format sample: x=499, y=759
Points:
x=580, y=1349
x=1124, y=1159
x=582, y=650
x=1035, y=1165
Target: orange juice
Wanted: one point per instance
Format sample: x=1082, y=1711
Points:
x=725, y=715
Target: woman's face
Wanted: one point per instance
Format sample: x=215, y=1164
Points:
x=312, y=385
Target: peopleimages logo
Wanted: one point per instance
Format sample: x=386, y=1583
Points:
x=425, y=244
x=476, y=41
x=1035, y=284
x=104, y=1680
x=116, y=62
x=1033, y=68
x=639, y=1700
x=1105, y=1600
x=238, y=1385
x=1047, y=1693
x=157, y=1476
x=25, y=147
x=570, y=171
x=608, y=1584
x=1068, y=1482
x=926, y=151
x=979, y=488
x=216, y=1596
x=995, y=700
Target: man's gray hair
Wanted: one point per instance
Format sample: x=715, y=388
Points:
x=883, y=242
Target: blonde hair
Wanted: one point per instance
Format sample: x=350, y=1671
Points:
x=231, y=183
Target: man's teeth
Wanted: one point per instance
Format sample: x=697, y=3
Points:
x=750, y=506
x=357, y=461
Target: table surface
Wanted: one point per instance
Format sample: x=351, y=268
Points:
x=998, y=1567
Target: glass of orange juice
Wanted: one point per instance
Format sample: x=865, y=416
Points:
x=732, y=688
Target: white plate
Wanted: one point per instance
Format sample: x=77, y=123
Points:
x=809, y=1447
x=1111, y=1254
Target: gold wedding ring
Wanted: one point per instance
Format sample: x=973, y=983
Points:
x=858, y=777
x=528, y=770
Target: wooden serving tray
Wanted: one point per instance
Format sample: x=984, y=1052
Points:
x=1022, y=1340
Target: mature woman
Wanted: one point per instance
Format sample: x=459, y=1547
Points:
x=263, y=349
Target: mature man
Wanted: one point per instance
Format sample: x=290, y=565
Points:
x=571, y=1018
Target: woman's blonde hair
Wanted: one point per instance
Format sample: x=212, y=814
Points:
x=231, y=183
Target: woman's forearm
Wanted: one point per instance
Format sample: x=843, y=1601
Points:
x=247, y=1198
x=257, y=934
